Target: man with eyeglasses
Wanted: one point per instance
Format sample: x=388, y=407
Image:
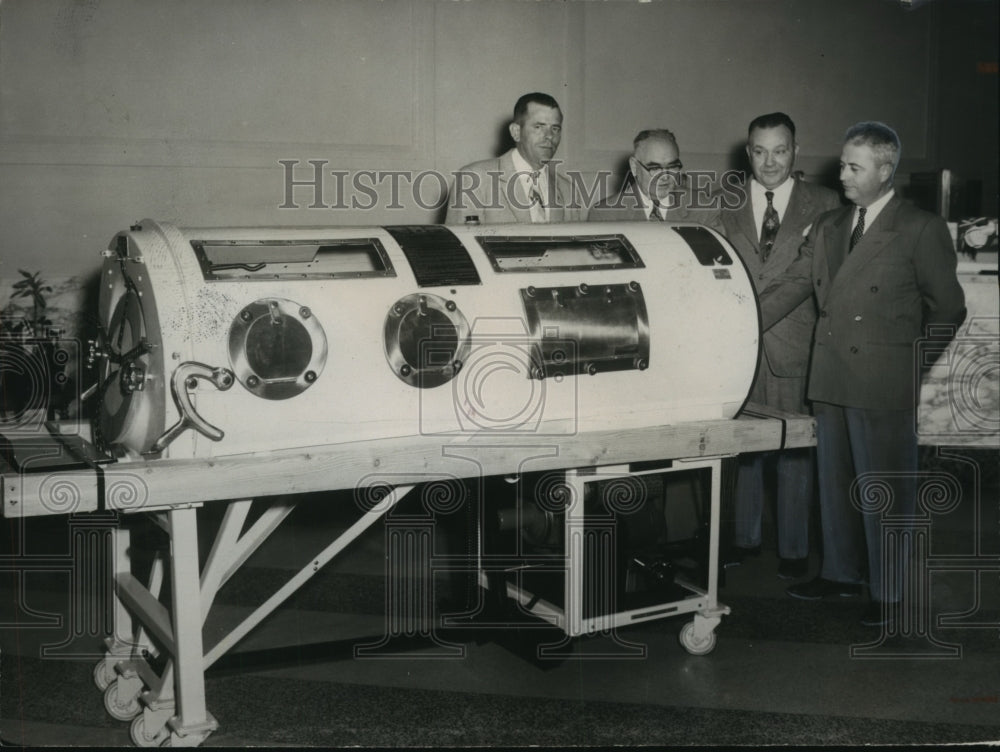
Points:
x=523, y=184
x=767, y=230
x=657, y=188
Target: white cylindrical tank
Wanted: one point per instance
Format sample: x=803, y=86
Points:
x=223, y=341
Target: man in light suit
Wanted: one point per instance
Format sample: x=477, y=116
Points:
x=767, y=230
x=522, y=185
x=657, y=188
x=883, y=273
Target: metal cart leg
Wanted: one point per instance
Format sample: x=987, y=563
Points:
x=698, y=635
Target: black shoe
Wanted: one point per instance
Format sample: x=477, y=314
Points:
x=793, y=569
x=735, y=555
x=878, y=614
x=818, y=588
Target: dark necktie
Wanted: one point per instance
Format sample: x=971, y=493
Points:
x=657, y=214
x=769, y=229
x=859, y=228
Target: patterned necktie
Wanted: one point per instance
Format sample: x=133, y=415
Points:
x=859, y=228
x=537, y=207
x=769, y=229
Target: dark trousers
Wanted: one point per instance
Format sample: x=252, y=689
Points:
x=794, y=480
x=867, y=462
x=794, y=494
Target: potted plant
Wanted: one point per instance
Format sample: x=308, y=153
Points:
x=29, y=375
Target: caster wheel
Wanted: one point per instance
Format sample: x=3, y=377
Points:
x=104, y=675
x=117, y=709
x=141, y=739
x=695, y=644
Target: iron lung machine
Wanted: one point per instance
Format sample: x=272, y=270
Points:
x=230, y=340
x=587, y=381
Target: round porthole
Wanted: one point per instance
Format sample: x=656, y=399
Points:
x=277, y=348
x=426, y=340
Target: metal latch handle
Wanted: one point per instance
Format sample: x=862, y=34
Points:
x=185, y=378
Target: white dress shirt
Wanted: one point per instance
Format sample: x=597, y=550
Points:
x=758, y=201
x=524, y=173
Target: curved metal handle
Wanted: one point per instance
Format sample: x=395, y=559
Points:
x=185, y=377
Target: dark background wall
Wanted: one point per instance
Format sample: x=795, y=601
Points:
x=115, y=110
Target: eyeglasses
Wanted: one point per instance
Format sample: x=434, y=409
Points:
x=655, y=168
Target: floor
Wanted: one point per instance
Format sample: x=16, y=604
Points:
x=783, y=671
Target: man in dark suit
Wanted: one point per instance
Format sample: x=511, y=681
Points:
x=767, y=230
x=657, y=188
x=523, y=184
x=883, y=273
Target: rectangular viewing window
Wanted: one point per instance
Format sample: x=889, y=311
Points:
x=568, y=253
x=243, y=260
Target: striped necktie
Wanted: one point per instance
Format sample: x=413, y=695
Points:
x=859, y=228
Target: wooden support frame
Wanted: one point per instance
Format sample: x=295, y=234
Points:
x=168, y=705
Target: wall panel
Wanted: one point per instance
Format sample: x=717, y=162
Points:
x=705, y=68
x=119, y=109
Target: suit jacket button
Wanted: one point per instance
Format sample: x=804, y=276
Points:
x=874, y=288
x=822, y=314
x=854, y=350
x=858, y=317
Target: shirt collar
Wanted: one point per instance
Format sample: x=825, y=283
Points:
x=874, y=209
x=646, y=203
x=521, y=165
x=781, y=194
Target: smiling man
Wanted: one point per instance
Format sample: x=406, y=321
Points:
x=522, y=185
x=883, y=273
x=767, y=231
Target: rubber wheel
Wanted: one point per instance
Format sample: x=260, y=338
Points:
x=116, y=708
x=104, y=675
x=141, y=739
x=695, y=645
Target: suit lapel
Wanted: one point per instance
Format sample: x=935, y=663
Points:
x=745, y=223
x=556, y=198
x=835, y=238
x=790, y=237
x=511, y=190
x=681, y=212
x=790, y=231
x=628, y=207
x=873, y=242
x=797, y=213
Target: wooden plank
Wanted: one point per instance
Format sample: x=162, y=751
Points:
x=154, y=615
x=144, y=485
x=48, y=493
x=800, y=430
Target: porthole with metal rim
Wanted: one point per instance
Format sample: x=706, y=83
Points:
x=426, y=340
x=277, y=348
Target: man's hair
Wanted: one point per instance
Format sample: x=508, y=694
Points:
x=658, y=134
x=772, y=120
x=521, y=108
x=880, y=137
